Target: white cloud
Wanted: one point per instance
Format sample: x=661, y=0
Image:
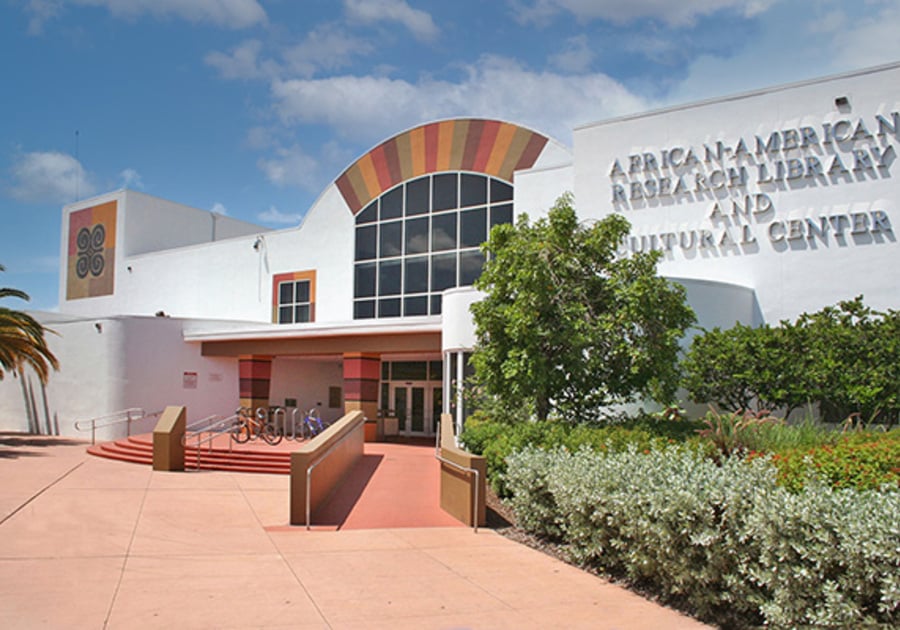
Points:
x=618, y=12
x=241, y=63
x=41, y=11
x=325, y=48
x=823, y=40
x=576, y=56
x=218, y=208
x=292, y=167
x=274, y=215
x=871, y=41
x=234, y=14
x=370, y=108
x=418, y=22
x=131, y=179
x=49, y=177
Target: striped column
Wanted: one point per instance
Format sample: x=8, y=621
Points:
x=361, y=378
x=255, y=376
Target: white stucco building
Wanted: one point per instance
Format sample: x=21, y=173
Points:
x=765, y=205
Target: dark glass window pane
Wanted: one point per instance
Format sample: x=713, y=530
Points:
x=391, y=239
x=500, y=191
x=435, y=370
x=364, y=281
x=474, y=190
x=389, y=277
x=364, y=309
x=443, y=272
x=302, y=293
x=417, y=235
x=286, y=293
x=416, y=279
x=409, y=370
x=473, y=227
x=386, y=371
x=284, y=315
x=301, y=313
x=501, y=214
x=417, y=196
x=443, y=192
x=435, y=304
x=470, y=264
x=366, y=242
x=415, y=305
x=443, y=232
x=392, y=204
x=389, y=308
x=369, y=214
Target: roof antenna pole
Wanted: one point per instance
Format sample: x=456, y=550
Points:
x=77, y=171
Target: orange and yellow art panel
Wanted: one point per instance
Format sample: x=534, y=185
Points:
x=91, y=252
x=491, y=147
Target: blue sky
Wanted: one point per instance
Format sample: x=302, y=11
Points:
x=252, y=107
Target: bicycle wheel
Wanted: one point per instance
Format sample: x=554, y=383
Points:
x=241, y=432
x=271, y=435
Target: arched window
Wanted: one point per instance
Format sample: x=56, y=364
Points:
x=422, y=237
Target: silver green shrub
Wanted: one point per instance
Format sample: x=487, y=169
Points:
x=721, y=540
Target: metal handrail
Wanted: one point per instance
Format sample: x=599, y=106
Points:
x=315, y=463
x=131, y=414
x=440, y=458
x=227, y=425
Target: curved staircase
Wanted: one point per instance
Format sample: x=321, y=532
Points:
x=138, y=449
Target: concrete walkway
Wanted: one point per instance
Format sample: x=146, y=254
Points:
x=93, y=543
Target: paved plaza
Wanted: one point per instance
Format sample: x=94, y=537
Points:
x=92, y=543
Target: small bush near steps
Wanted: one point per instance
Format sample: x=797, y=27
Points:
x=722, y=540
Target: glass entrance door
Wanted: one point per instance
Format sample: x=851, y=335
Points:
x=414, y=404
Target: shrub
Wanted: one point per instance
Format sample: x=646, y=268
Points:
x=864, y=461
x=723, y=540
x=497, y=440
x=733, y=432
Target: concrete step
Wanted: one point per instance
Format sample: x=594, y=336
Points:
x=139, y=450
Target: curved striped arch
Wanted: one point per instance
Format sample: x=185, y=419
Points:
x=491, y=147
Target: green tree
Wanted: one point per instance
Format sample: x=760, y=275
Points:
x=568, y=325
x=22, y=340
x=844, y=358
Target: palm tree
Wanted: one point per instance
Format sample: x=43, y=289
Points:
x=22, y=340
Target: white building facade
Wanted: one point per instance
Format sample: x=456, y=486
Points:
x=765, y=205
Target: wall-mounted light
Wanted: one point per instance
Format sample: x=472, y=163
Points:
x=128, y=268
x=842, y=103
x=257, y=243
x=99, y=327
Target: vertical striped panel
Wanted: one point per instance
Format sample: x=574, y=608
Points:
x=485, y=145
x=514, y=155
x=405, y=157
x=382, y=170
x=472, y=141
x=458, y=150
x=500, y=148
x=370, y=177
x=445, y=145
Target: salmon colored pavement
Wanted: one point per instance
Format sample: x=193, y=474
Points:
x=87, y=542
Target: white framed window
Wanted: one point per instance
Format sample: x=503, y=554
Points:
x=294, y=302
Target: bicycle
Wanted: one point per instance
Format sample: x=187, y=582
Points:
x=248, y=428
x=312, y=424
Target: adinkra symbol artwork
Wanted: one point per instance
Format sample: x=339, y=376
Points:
x=90, y=251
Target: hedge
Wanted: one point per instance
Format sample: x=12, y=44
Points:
x=724, y=540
